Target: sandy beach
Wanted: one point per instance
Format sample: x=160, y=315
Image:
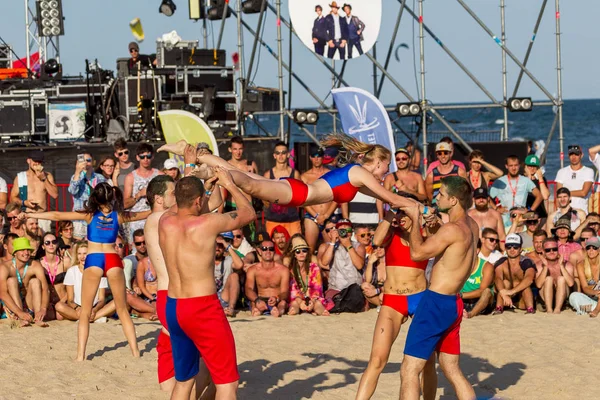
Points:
x=512, y=356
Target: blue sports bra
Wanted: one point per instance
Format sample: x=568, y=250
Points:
x=103, y=228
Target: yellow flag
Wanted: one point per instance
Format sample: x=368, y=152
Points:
x=136, y=29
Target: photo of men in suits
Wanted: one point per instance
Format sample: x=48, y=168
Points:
x=355, y=30
x=337, y=32
x=319, y=31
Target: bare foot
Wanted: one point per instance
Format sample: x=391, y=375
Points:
x=325, y=313
x=255, y=312
x=80, y=357
x=275, y=312
x=41, y=324
x=556, y=311
x=175, y=148
x=230, y=312
x=593, y=314
x=135, y=353
x=203, y=172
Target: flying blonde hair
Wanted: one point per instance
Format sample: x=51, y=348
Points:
x=359, y=152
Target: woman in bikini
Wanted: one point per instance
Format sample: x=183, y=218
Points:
x=103, y=214
x=477, y=177
x=306, y=285
x=55, y=274
x=367, y=164
x=147, y=283
x=404, y=285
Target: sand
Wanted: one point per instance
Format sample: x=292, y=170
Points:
x=511, y=356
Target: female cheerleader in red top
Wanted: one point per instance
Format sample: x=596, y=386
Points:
x=103, y=213
x=404, y=285
x=368, y=163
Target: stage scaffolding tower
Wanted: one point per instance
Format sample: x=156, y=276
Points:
x=46, y=46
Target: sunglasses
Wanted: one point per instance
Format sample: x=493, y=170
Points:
x=109, y=165
x=120, y=245
x=142, y=243
x=270, y=248
x=326, y=229
x=133, y=50
x=298, y=251
x=362, y=235
x=88, y=160
x=442, y=153
x=120, y=153
x=10, y=218
x=49, y=242
x=238, y=236
x=145, y=156
x=531, y=221
x=551, y=249
x=280, y=152
x=491, y=239
x=590, y=247
x=316, y=155
x=401, y=158
x=512, y=246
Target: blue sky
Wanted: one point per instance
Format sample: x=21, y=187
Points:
x=99, y=29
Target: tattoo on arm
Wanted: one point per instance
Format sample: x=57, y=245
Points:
x=233, y=215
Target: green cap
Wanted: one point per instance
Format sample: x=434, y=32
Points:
x=532, y=160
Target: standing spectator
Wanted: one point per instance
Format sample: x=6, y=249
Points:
x=448, y=140
x=107, y=168
x=477, y=177
x=275, y=214
x=83, y=181
x=511, y=190
x=136, y=182
x=405, y=180
x=170, y=168
x=535, y=173
x=554, y=278
x=31, y=188
x=563, y=233
x=445, y=167
x=577, y=178
x=124, y=166
x=565, y=211
x=588, y=270
x=316, y=215
x=415, y=156
x=3, y=194
x=16, y=224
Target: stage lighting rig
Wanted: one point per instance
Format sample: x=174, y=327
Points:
x=167, y=7
x=215, y=12
x=408, y=109
x=308, y=117
x=50, y=18
x=520, y=104
x=251, y=6
x=197, y=9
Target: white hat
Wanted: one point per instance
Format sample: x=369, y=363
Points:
x=170, y=163
x=513, y=238
x=443, y=146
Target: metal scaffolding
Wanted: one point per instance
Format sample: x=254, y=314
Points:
x=46, y=46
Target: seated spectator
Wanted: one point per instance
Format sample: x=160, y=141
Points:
x=484, y=215
x=55, y=273
x=514, y=278
x=375, y=276
x=477, y=177
x=32, y=228
x=170, y=168
x=592, y=221
x=489, y=246
x=343, y=258
x=579, y=255
x=478, y=291
x=563, y=233
x=146, y=280
x=554, y=278
x=589, y=277
x=141, y=251
x=242, y=247
x=536, y=174
x=65, y=240
x=538, y=250
x=71, y=309
x=306, y=285
x=531, y=221
x=363, y=235
x=8, y=247
x=565, y=211
x=280, y=236
x=36, y=243
x=228, y=264
x=23, y=287
x=267, y=283
x=107, y=167
x=17, y=225
x=576, y=177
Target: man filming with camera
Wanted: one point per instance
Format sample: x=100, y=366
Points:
x=343, y=258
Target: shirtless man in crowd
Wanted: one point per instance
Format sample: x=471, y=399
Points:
x=554, y=277
x=194, y=315
x=404, y=179
x=31, y=188
x=16, y=225
x=485, y=216
x=315, y=216
x=436, y=325
x=268, y=283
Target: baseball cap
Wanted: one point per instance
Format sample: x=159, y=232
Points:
x=532, y=160
x=170, y=163
x=593, y=241
x=134, y=45
x=262, y=236
x=574, y=149
x=329, y=154
x=402, y=150
x=36, y=156
x=513, y=238
x=343, y=222
x=227, y=235
x=480, y=192
x=316, y=152
x=443, y=146
x=563, y=190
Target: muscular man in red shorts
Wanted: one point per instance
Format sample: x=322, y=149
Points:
x=194, y=315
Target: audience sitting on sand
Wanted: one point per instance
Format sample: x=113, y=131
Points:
x=589, y=277
x=525, y=224
x=478, y=291
x=554, y=277
x=564, y=235
x=228, y=265
x=538, y=249
x=306, y=284
x=55, y=273
x=267, y=283
x=591, y=222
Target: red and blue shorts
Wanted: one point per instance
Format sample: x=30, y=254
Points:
x=405, y=305
x=299, y=192
x=105, y=261
x=166, y=369
x=198, y=326
x=436, y=326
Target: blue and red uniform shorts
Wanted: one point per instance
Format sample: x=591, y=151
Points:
x=166, y=369
x=405, y=305
x=198, y=326
x=299, y=192
x=436, y=326
x=106, y=261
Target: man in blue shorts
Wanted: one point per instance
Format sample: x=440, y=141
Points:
x=436, y=325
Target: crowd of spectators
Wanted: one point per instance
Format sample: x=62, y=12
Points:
x=535, y=252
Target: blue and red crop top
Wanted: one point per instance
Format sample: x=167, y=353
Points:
x=339, y=182
x=398, y=255
x=103, y=228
